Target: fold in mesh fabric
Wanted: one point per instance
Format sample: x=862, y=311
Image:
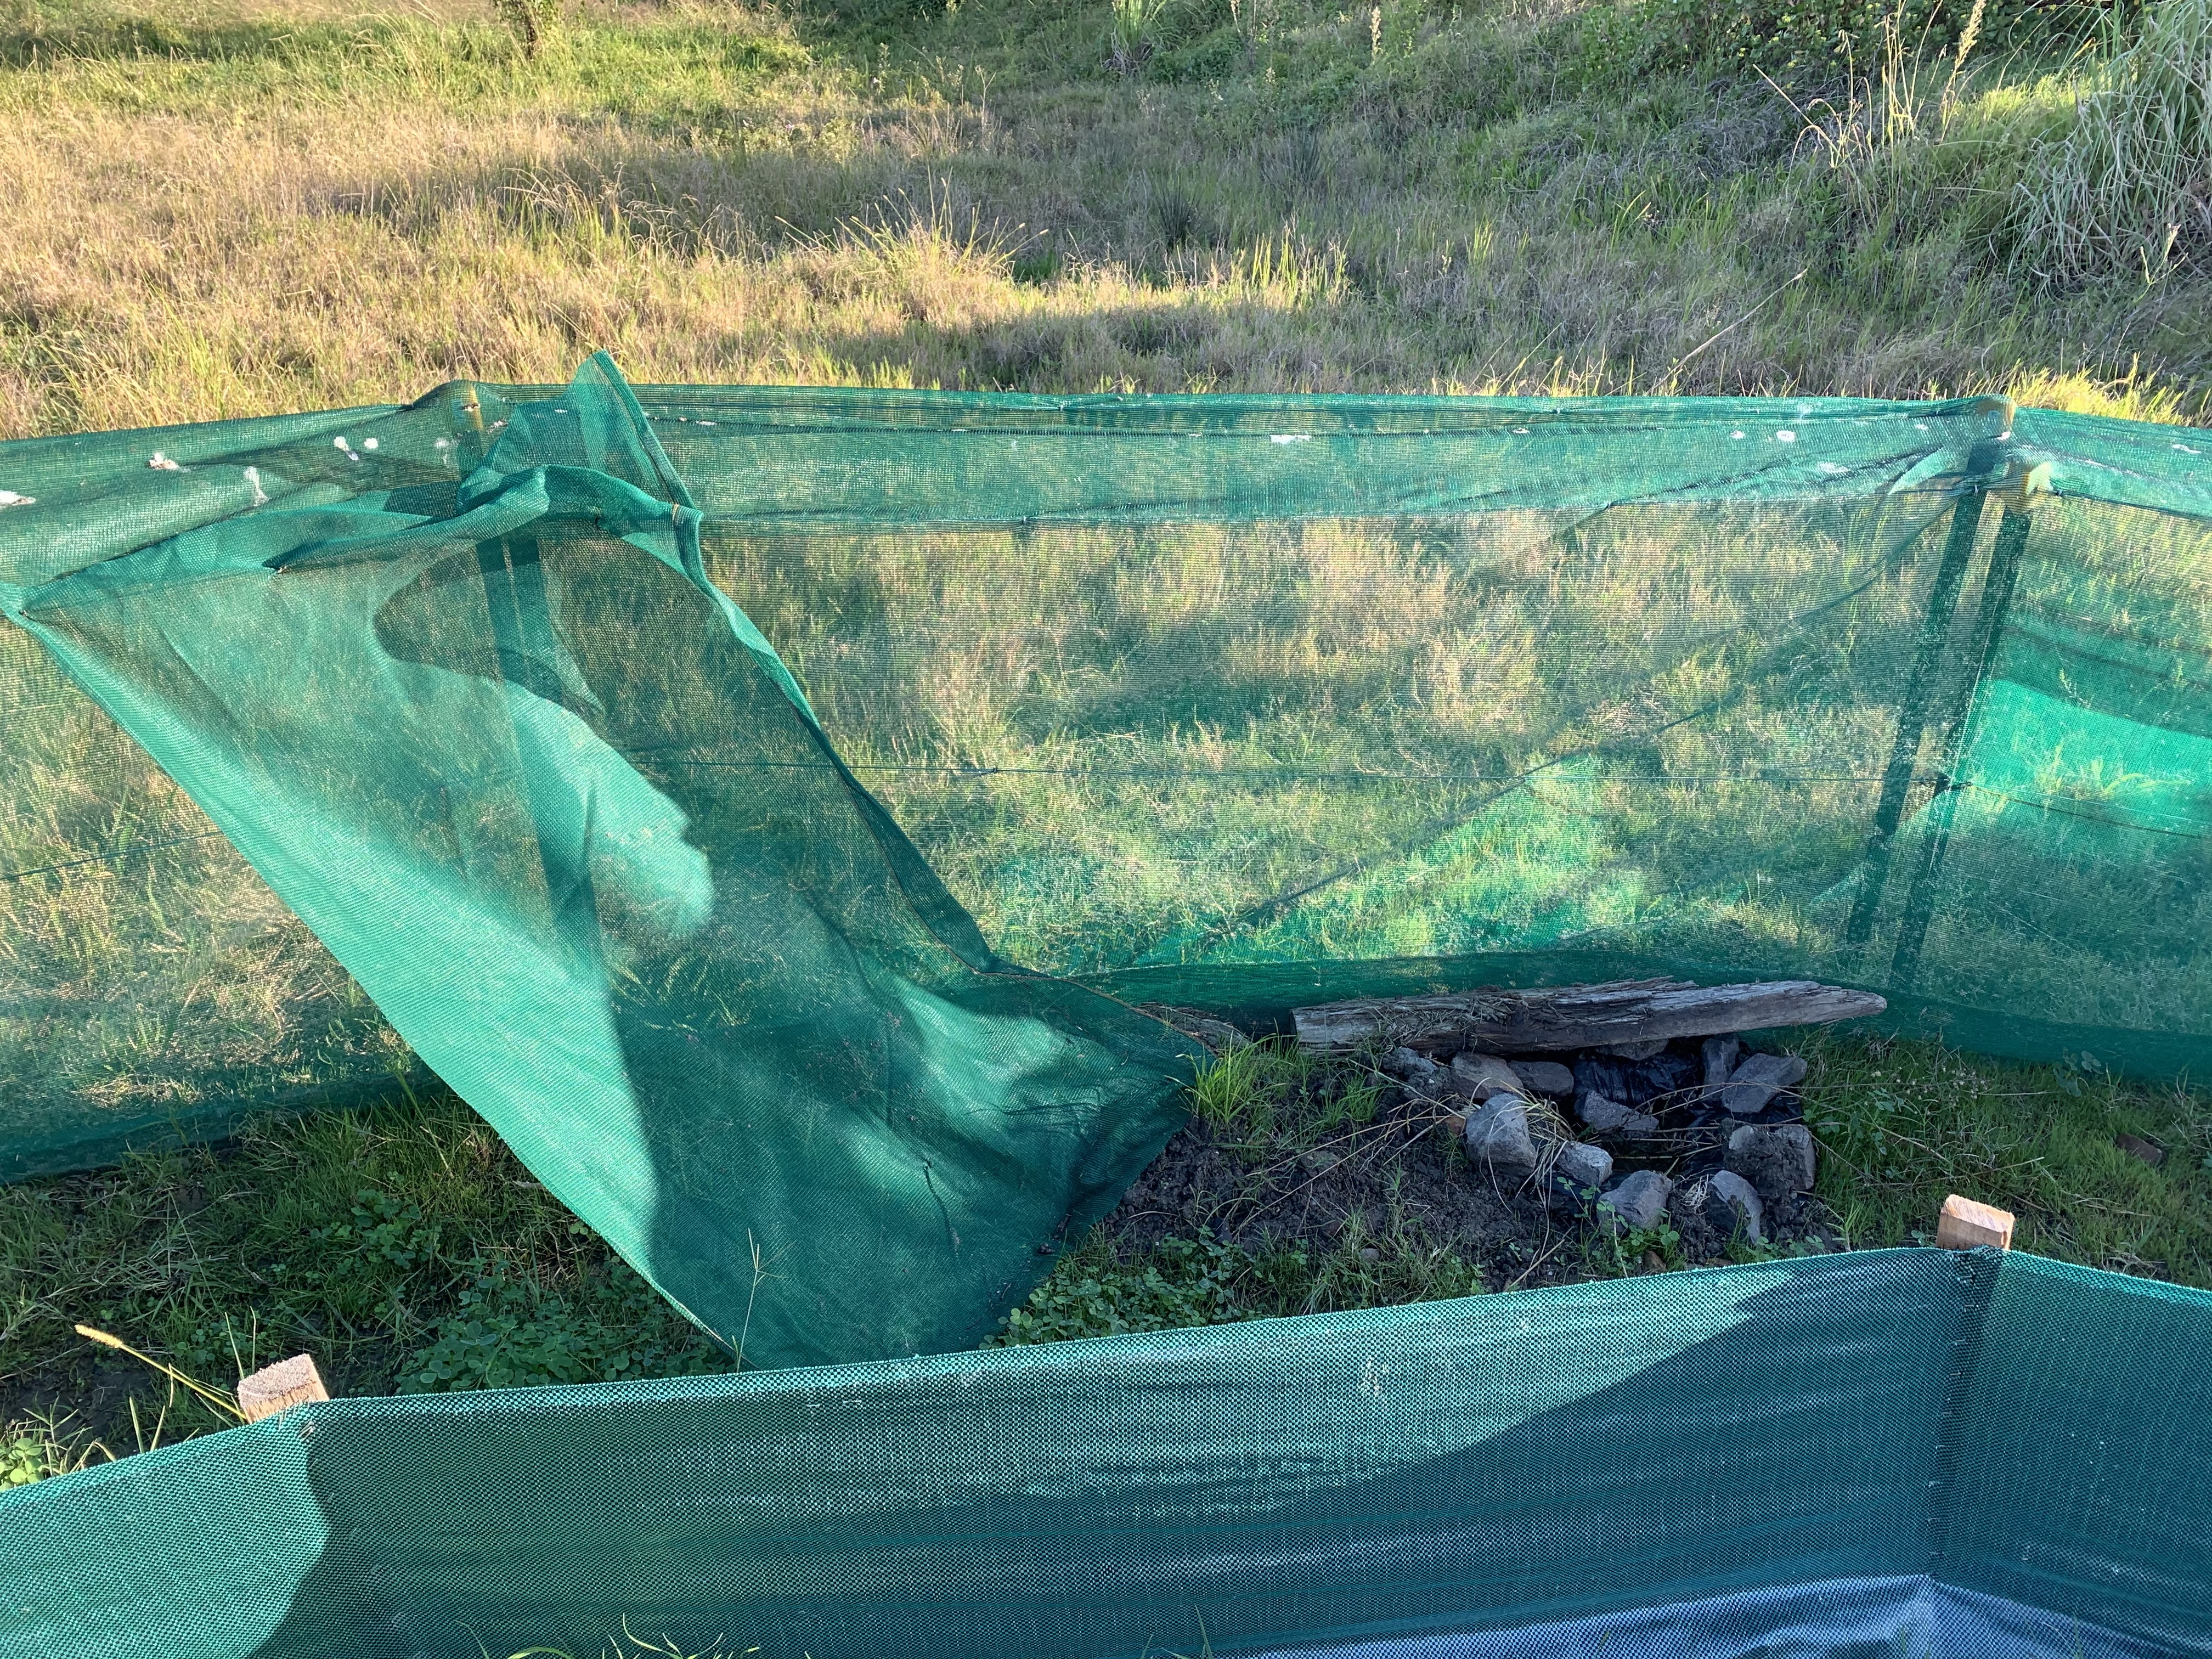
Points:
x=774, y=808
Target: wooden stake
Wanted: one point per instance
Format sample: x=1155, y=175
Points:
x=280, y=1387
x=1966, y=1226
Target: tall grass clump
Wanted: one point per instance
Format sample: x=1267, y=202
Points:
x=2126, y=189
x=1130, y=26
x=1877, y=138
x=1248, y=1086
x=532, y=22
x=1809, y=42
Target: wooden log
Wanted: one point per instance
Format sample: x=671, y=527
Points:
x=280, y=1387
x=1506, y=1022
x=1965, y=1224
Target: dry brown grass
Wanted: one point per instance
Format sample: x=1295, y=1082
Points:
x=290, y=204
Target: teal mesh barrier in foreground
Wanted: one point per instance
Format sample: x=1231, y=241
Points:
x=1901, y=1455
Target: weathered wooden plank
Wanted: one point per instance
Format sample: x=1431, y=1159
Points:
x=1507, y=1022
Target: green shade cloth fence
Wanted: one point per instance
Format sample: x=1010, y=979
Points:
x=772, y=809
x=1898, y=1453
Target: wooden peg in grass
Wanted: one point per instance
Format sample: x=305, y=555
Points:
x=1966, y=1226
x=280, y=1387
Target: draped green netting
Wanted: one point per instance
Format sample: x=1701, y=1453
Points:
x=1896, y=1455
x=772, y=809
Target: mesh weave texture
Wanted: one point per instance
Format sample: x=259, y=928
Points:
x=1916, y=1453
x=771, y=809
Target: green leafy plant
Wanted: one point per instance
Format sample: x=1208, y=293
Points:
x=507, y=1333
x=1182, y=1282
x=391, y=1229
x=1620, y=1254
x=41, y=1446
x=1360, y=1270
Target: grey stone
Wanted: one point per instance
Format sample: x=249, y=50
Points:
x=1757, y=1080
x=1635, y=1050
x=1639, y=1202
x=1417, y=1071
x=1739, y=1195
x=1546, y=1077
x=1480, y=1075
x=1724, y=1202
x=1498, y=1137
x=1720, y=1054
x=1779, y=1159
x=1583, y=1164
x=1600, y=1114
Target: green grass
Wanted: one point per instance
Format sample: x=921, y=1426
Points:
x=1901, y=1124
x=2122, y=190
x=1098, y=1291
x=226, y=209
x=1277, y=197
x=1254, y=1091
x=406, y=1250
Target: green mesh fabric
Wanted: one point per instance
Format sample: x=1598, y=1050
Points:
x=1903, y=1453
x=771, y=809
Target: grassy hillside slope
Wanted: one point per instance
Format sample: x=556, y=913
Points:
x=239, y=208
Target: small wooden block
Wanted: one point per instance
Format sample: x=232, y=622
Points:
x=1966, y=1226
x=280, y=1387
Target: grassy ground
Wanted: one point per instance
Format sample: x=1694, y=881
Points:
x=225, y=207
x=1900, y=1124
x=232, y=209
x=407, y=1249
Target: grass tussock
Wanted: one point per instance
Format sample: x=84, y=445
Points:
x=2125, y=189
